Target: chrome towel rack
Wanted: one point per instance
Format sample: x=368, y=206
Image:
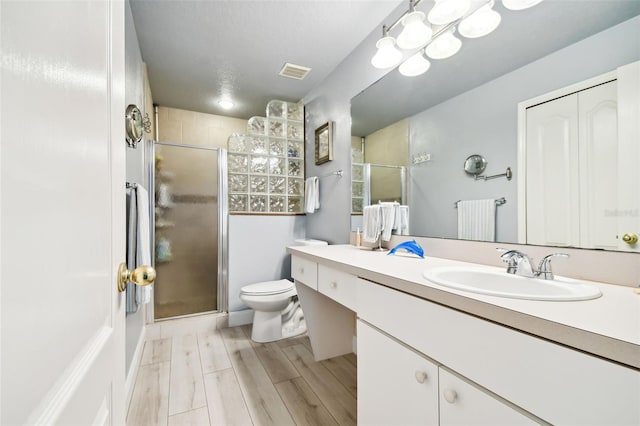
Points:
x=499, y=201
x=336, y=173
x=508, y=174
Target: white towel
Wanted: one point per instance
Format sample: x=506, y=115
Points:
x=401, y=224
x=477, y=220
x=311, y=194
x=143, y=252
x=372, y=223
x=388, y=219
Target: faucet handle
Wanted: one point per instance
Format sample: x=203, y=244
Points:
x=510, y=257
x=544, y=269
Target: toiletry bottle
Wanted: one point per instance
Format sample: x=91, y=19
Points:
x=358, y=238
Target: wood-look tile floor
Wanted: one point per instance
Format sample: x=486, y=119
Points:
x=221, y=377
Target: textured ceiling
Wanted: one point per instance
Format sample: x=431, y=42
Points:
x=198, y=51
x=521, y=38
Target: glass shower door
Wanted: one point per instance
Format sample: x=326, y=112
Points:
x=186, y=230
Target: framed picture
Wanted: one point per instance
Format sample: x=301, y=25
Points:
x=324, y=143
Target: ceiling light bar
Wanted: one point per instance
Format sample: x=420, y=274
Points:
x=473, y=18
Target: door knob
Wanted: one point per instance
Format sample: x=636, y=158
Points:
x=630, y=238
x=142, y=275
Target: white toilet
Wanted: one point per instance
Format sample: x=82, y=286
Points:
x=277, y=311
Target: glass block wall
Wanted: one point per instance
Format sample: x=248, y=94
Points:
x=266, y=165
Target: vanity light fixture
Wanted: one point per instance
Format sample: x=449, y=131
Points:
x=445, y=11
x=481, y=22
x=387, y=55
x=519, y=4
x=473, y=18
x=415, y=65
x=415, y=33
x=444, y=46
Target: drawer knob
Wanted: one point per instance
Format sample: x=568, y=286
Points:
x=450, y=395
x=334, y=284
x=421, y=376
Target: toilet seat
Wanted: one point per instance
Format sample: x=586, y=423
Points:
x=267, y=288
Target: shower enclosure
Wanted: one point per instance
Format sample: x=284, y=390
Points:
x=190, y=229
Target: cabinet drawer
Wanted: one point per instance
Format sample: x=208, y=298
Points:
x=338, y=285
x=556, y=383
x=304, y=271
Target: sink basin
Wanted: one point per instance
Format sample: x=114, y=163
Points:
x=496, y=282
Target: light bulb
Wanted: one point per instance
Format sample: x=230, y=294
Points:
x=445, y=11
x=387, y=55
x=225, y=103
x=444, y=46
x=415, y=65
x=415, y=33
x=519, y=4
x=480, y=23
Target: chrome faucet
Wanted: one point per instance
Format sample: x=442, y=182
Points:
x=519, y=263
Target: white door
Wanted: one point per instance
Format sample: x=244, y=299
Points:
x=62, y=212
x=598, y=150
x=552, y=173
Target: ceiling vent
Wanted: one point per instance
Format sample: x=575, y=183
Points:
x=294, y=71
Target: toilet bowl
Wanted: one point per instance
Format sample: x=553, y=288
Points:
x=277, y=313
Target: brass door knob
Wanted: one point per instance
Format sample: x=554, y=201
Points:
x=142, y=275
x=630, y=238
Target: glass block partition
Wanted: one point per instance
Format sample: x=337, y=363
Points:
x=266, y=165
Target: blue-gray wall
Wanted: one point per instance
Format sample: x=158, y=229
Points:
x=257, y=251
x=484, y=121
x=331, y=101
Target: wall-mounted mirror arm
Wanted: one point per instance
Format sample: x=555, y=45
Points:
x=508, y=174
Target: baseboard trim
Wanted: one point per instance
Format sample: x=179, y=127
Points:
x=240, y=317
x=133, y=369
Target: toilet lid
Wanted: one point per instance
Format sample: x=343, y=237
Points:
x=268, y=287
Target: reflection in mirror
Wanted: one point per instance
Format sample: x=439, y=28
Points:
x=469, y=104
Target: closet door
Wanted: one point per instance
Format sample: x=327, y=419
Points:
x=598, y=148
x=552, y=173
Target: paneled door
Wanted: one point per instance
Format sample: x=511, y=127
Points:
x=62, y=212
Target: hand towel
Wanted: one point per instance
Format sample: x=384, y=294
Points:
x=371, y=223
x=143, y=251
x=311, y=194
x=388, y=219
x=477, y=220
x=402, y=220
x=132, y=244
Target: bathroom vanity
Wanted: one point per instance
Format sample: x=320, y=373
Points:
x=429, y=354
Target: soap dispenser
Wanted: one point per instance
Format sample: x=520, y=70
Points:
x=358, y=238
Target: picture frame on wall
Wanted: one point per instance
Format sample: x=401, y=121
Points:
x=324, y=143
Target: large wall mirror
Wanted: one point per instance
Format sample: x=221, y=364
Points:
x=468, y=104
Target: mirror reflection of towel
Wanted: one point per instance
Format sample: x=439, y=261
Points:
x=477, y=220
x=372, y=223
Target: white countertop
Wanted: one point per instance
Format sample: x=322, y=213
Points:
x=608, y=326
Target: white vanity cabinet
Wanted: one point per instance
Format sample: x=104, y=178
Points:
x=304, y=271
x=399, y=386
x=338, y=285
x=551, y=382
x=396, y=386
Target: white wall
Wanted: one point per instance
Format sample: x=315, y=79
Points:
x=257, y=250
x=134, y=94
x=484, y=121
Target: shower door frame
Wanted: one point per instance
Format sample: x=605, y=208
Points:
x=223, y=224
